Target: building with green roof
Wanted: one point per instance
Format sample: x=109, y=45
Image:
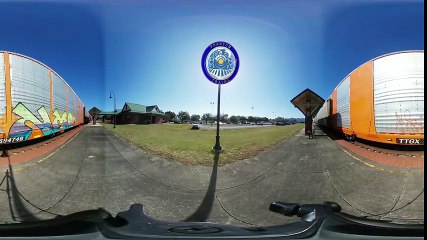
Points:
x=133, y=113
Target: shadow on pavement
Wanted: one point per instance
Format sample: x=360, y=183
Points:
x=18, y=211
x=203, y=211
x=318, y=132
x=327, y=132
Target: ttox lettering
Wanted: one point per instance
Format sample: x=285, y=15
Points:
x=409, y=141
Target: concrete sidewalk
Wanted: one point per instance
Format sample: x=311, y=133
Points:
x=98, y=169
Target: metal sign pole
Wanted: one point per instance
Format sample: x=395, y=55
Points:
x=114, y=110
x=4, y=152
x=217, y=146
x=220, y=64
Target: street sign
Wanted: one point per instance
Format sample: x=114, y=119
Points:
x=220, y=62
x=94, y=111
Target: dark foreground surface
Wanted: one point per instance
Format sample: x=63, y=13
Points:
x=98, y=169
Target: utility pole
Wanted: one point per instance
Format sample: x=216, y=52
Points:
x=114, y=112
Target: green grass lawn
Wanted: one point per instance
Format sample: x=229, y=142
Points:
x=194, y=147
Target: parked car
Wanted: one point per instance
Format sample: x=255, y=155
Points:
x=174, y=120
x=280, y=124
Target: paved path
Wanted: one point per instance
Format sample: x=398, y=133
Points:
x=98, y=169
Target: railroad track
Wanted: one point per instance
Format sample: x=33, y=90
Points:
x=400, y=151
x=395, y=152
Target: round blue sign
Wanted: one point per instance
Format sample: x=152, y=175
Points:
x=220, y=62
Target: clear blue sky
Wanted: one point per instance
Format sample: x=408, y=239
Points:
x=149, y=52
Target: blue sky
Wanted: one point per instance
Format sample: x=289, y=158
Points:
x=149, y=52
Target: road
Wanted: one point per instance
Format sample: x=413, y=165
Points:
x=98, y=169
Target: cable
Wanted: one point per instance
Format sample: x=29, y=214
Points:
x=367, y=212
x=231, y=215
x=41, y=210
x=4, y=177
x=398, y=197
x=60, y=199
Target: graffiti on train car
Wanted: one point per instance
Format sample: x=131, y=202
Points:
x=408, y=123
x=25, y=125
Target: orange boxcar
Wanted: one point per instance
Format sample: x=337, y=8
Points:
x=34, y=100
x=380, y=101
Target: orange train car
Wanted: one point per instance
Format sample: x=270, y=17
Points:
x=380, y=101
x=34, y=100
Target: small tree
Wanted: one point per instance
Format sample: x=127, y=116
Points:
x=251, y=119
x=279, y=119
x=234, y=119
x=184, y=116
x=169, y=115
x=258, y=119
x=223, y=118
x=207, y=117
x=195, y=118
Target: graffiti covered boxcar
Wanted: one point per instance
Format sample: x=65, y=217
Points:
x=34, y=100
x=381, y=101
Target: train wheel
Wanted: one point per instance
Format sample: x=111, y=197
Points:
x=347, y=137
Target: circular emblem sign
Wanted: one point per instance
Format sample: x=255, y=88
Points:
x=220, y=62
